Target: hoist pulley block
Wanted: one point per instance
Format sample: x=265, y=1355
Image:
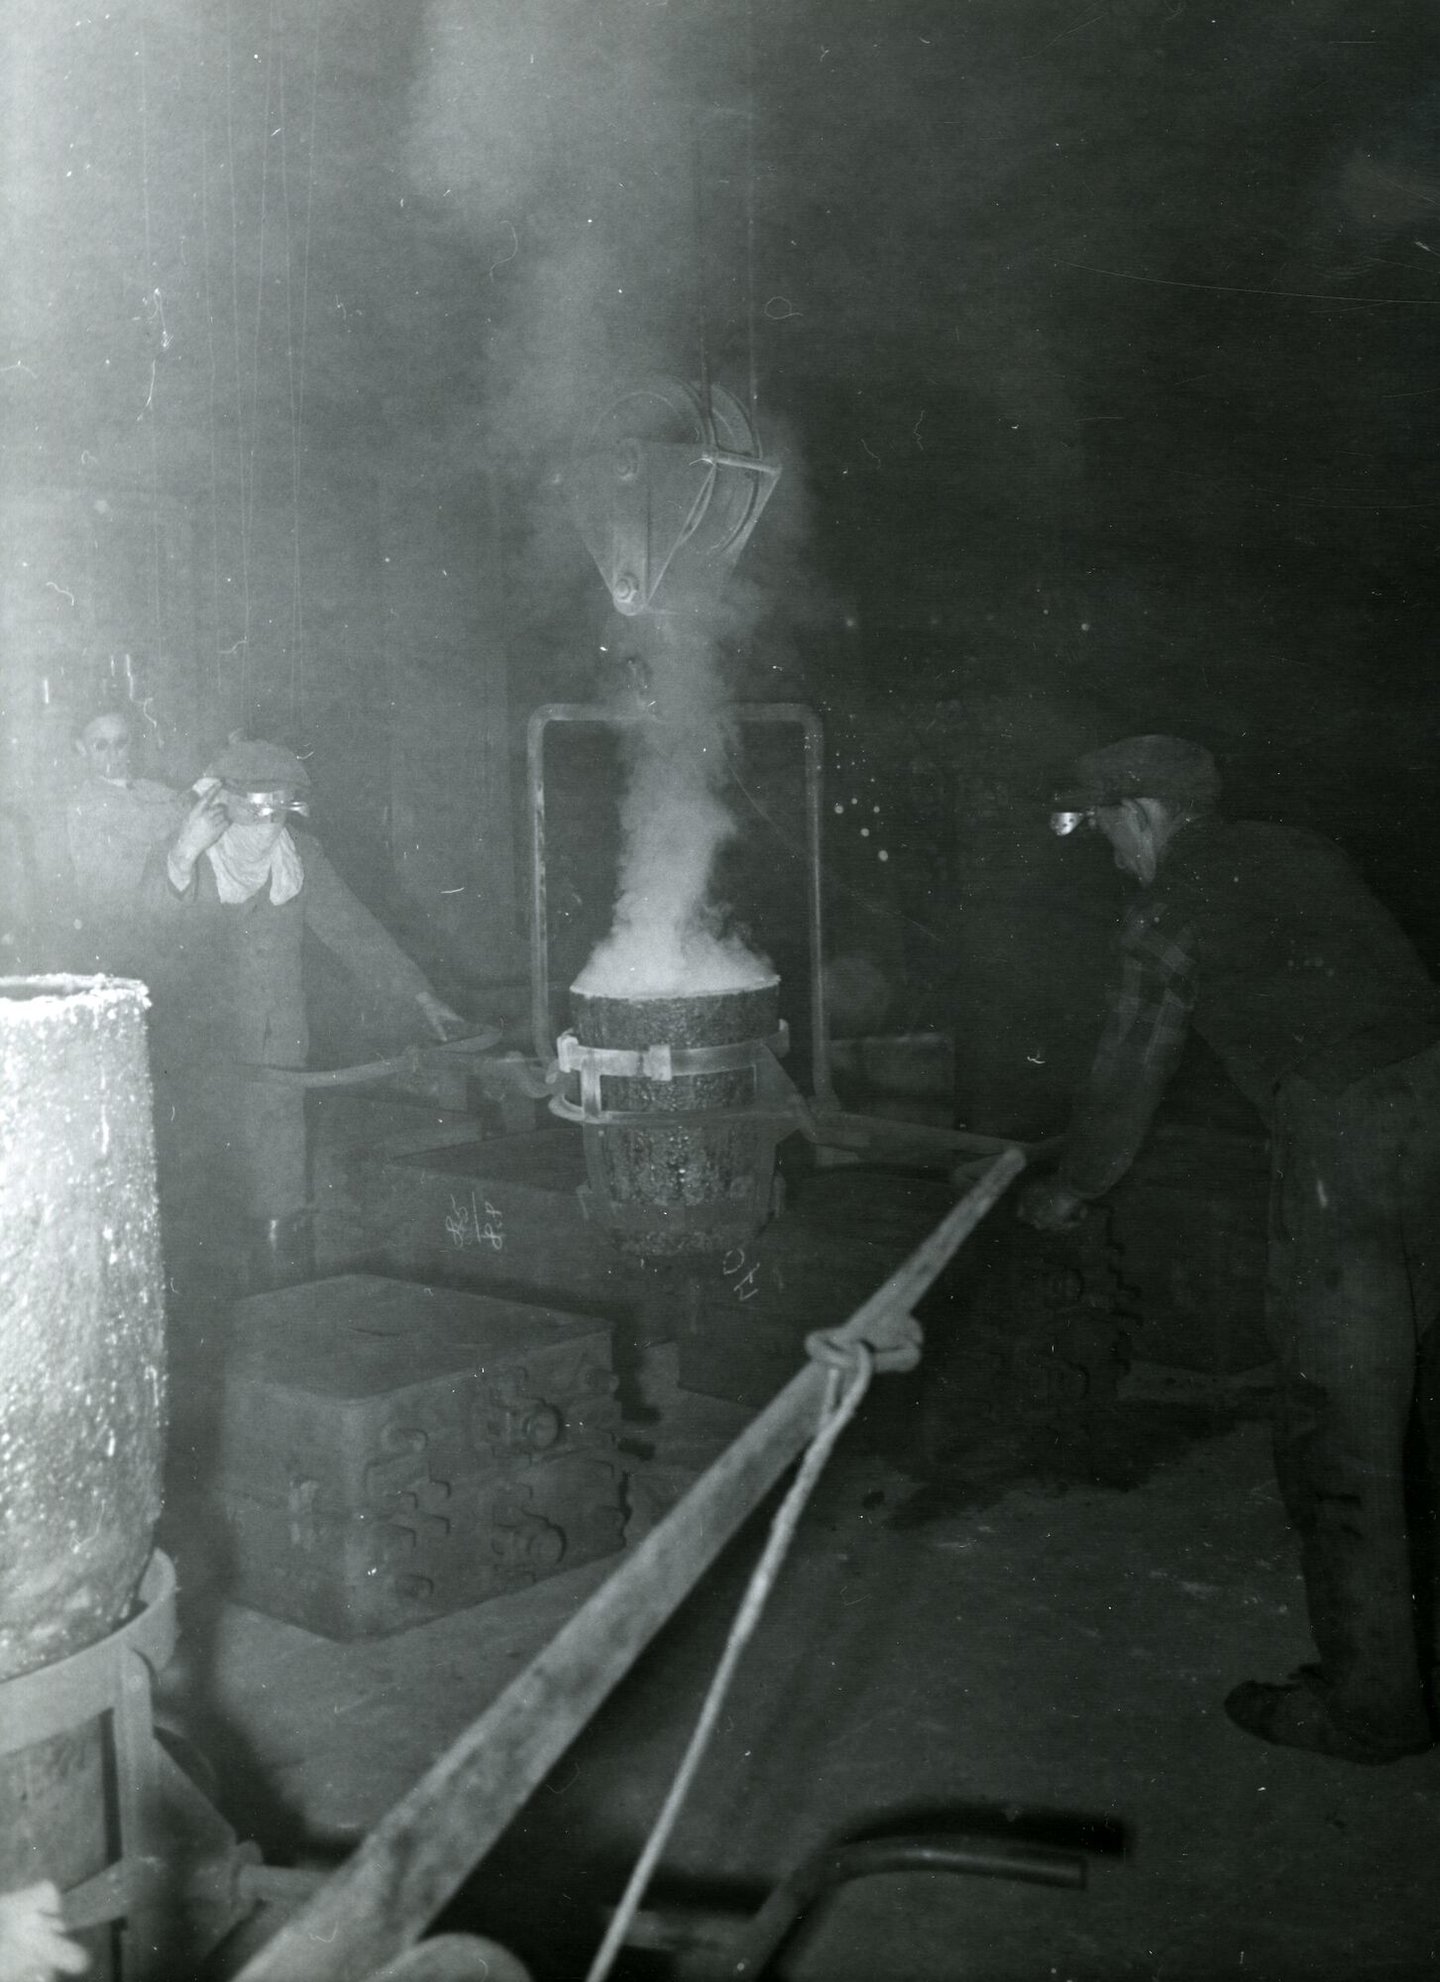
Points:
x=667, y=485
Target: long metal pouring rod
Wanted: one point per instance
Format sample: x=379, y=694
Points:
x=426, y=1846
x=840, y=1129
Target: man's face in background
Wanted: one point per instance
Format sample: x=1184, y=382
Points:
x=104, y=744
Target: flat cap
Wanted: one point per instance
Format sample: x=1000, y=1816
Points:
x=1167, y=768
x=258, y=767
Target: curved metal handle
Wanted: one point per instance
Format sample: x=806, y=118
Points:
x=825, y=1870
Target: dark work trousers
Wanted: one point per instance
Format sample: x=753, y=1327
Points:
x=1354, y=1286
x=232, y=1154
x=270, y=1144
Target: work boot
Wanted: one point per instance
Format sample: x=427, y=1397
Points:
x=280, y=1252
x=1297, y=1714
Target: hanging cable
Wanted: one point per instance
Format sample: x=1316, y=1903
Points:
x=290, y=359
x=259, y=315
x=700, y=313
x=299, y=624
x=244, y=644
x=214, y=428
x=836, y=1411
x=750, y=215
x=151, y=294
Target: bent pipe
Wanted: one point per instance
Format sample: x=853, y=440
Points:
x=825, y=1870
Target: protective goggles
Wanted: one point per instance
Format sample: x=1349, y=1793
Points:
x=267, y=806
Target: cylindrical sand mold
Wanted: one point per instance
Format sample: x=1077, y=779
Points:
x=81, y=1314
x=695, y=1174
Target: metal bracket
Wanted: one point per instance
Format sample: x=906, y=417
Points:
x=662, y=1063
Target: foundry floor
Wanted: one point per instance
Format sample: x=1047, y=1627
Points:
x=1023, y=1659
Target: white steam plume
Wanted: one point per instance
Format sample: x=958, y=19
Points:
x=563, y=143
x=667, y=939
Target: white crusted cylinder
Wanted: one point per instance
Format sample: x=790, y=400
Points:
x=82, y=1354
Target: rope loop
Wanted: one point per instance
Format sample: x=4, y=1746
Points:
x=853, y=1357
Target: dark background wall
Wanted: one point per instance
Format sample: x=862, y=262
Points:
x=1098, y=340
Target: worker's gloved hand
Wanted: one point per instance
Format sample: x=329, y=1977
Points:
x=1050, y=1206
x=206, y=820
x=33, y=1941
x=442, y=1021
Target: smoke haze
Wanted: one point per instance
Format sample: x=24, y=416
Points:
x=569, y=142
x=560, y=139
x=667, y=939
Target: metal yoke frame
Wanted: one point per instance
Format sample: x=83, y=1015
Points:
x=745, y=712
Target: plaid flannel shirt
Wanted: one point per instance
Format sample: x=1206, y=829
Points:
x=1140, y=1046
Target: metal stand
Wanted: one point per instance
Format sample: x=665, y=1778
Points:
x=819, y=1117
x=156, y=1803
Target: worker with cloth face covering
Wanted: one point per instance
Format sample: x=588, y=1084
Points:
x=1267, y=942
x=236, y=889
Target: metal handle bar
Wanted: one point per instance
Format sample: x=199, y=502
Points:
x=408, y=1062
x=833, y=1866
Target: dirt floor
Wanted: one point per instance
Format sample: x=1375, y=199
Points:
x=1021, y=1654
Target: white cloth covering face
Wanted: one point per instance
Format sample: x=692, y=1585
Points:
x=244, y=858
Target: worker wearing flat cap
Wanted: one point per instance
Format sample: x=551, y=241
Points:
x=237, y=888
x=1267, y=942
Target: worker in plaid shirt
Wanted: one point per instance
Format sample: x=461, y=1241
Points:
x=1267, y=942
x=1145, y=1032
